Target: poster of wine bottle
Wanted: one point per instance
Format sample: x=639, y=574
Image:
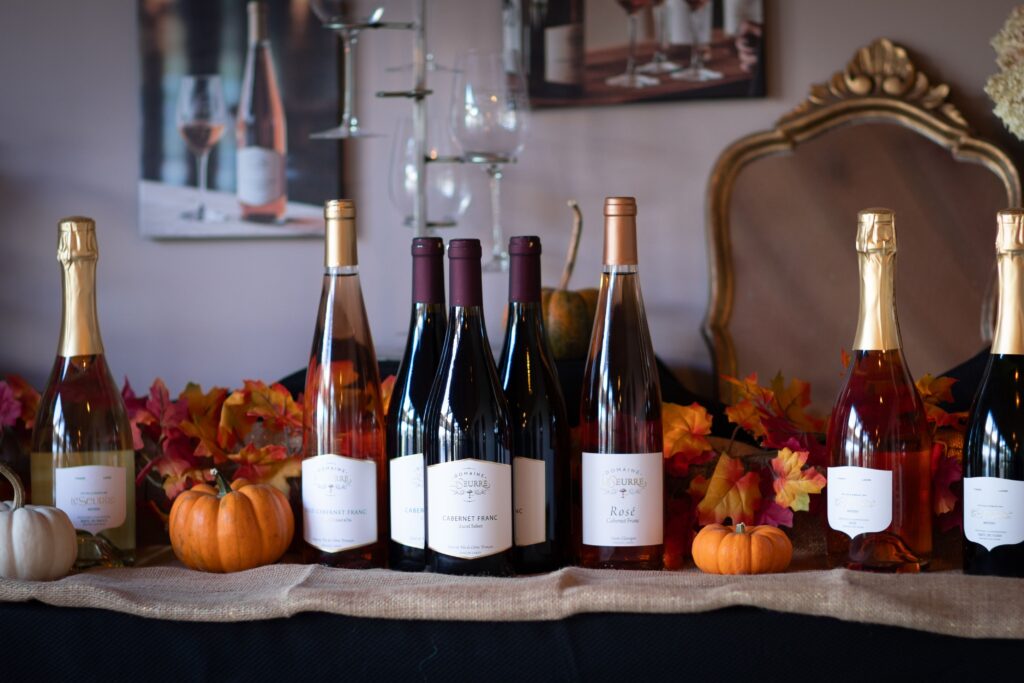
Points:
x=230, y=95
x=594, y=52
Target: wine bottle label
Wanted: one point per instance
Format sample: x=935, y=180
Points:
x=993, y=511
x=622, y=499
x=859, y=500
x=260, y=175
x=563, y=52
x=406, y=481
x=339, y=502
x=529, y=492
x=469, y=508
x=93, y=496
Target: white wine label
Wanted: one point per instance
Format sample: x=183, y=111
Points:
x=406, y=482
x=260, y=175
x=859, y=500
x=993, y=511
x=339, y=502
x=469, y=508
x=622, y=499
x=93, y=496
x=563, y=54
x=530, y=493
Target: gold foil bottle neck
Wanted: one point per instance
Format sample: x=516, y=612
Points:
x=620, y=231
x=78, y=252
x=1010, y=230
x=876, y=230
x=76, y=240
x=340, y=233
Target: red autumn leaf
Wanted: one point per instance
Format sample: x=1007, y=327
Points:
x=732, y=493
x=746, y=416
x=386, y=388
x=139, y=417
x=794, y=482
x=685, y=429
x=203, y=419
x=27, y=396
x=773, y=514
x=10, y=407
x=169, y=414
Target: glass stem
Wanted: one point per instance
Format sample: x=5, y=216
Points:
x=696, y=60
x=495, y=173
x=631, y=59
x=204, y=158
x=661, y=35
x=348, y=42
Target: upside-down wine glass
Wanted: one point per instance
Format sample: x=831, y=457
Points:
x=696, y=71
x=630, y=78
x=348, y=18
x=200, y=115
x=448, y=193
x=488, y=121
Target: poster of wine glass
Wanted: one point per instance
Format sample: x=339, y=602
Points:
x=594, y=52
x=231, y=93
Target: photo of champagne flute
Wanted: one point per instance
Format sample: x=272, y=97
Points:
x=630, y=78
x=201, y=117
x=696, y=71
x=660, y=63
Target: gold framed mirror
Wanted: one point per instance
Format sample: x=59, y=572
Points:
x=781, y=221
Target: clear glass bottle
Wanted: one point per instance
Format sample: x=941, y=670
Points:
x=620, y=478
x=82, y=456
x=994, y=446
x=879, y=481
x=344, y=471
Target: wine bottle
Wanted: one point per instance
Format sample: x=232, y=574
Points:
x=994, y=446
x=879, y=481
x=540, y=428
x=621, y=476
x=552, y=45
x=260, y=129
x=469, y=463
x=82, y=456
x=344, y=472
x=408, y=405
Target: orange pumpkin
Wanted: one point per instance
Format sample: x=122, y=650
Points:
x=225, y=530
x=719, y=549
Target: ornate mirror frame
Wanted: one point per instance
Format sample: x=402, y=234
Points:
x=880, y=84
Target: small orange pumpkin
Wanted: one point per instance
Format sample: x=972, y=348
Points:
x=225, y=530
x=719, y=549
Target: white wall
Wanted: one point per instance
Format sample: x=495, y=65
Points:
x=220, y=312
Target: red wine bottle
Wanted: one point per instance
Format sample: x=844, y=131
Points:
x=82, y=457
x=404, y=434
x=344, y=471
x=540, y=428
x=468, y=442
x=552, y=44
x=620, y=479
x=879, y=482
x=994, y=446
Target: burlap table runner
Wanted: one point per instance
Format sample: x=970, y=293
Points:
x=942, y=602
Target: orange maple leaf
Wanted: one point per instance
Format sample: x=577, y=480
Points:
x=746, y=416
x=935, y=390
x=255, y=402
x=203, y=418
x=792, y=402
x=793, y=484
x=685, y=429
x=732, y=493
x=749, y=389
x=386, y=388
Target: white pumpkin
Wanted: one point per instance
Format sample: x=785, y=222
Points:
x=37, y=542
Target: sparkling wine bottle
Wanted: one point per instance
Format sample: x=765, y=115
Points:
x=260, y=129
x=879, y=482
x=82, y=456
x=409, y=402
x=620, y=480
x=540, y=429
x=468, y=441
x=344, y=473
x=994, y=446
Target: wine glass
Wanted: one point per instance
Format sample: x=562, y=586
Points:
x=696, y=70
x=201, y=116
x=489, y=121
x=630, y=78
x=448, y=194
x=660, y=63
x=347, y=18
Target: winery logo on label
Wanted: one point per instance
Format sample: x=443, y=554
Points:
x=623, y=481
x=332, y=480
x=469, y=485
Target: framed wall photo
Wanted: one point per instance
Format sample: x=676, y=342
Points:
x=231, y=92
x=594, y=52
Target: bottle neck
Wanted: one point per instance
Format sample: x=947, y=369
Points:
x=428, y=279
x=466, y=288
x=340, y=243
x=877, y=328
x=1009, y=334
x=257, y=23
x=80, y=328
x=620, y=241
x=524, y=278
